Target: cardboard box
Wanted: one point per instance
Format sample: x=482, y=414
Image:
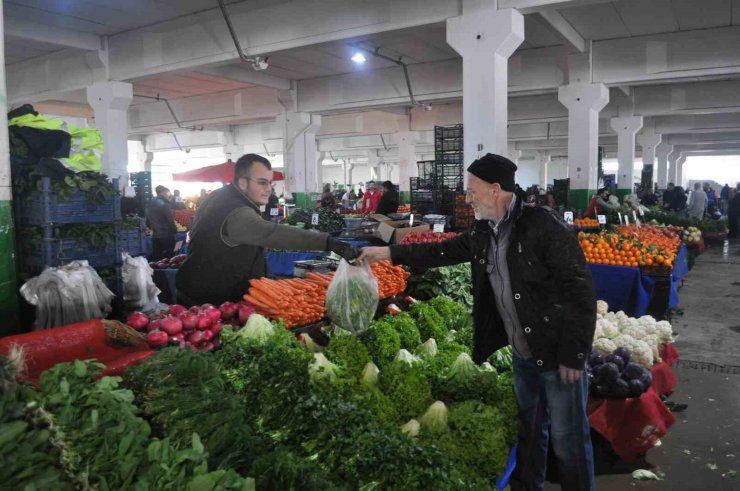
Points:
x=390, y=233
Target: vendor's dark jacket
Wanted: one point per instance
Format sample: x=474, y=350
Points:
x=388, y=203
x=159, y=219
x=551, y=281
x=228, y=244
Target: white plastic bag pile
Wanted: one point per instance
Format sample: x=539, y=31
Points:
x=139, y=291
x=68, y=294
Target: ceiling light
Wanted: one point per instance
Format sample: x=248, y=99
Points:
x=359, y=58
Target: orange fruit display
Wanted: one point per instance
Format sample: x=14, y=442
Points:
x=632, y=246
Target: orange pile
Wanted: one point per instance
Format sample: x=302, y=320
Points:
x=301, y=301
x=631, y=246
x=586, y=222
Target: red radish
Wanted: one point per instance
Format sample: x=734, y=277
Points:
x=177, y=309
x=207, y=306
x=195, y=309
x=206, y=347
x=204, y=322
x=195, y=337
x=207, y=335
x=171, y=325
x=244, y=312
x=138, y=320
x=214, y=314
x=178, y=337
x=154, y=325
x=216, y=328
x=229, y=310
x=157, y=339
x=189, y=321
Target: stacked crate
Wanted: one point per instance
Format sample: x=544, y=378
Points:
x=142, y=184
x=44, y=211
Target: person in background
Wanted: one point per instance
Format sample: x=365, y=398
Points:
x=177, y=201
x=347, y=202
x=599, y=204
x=352, y=194
x=649, y=198
x=520, y=193
x=389, y=201
x=550, y=199
x=668, y=196
x=370, y=199
x=733, y=214
x=697, y=202
x=229, y=238
x=159, y=220
x=678, y=201
x=272, y=203
x=532, y=289
x=724, y=198
x=711, y=196
x=327, y=198
x=360, y=195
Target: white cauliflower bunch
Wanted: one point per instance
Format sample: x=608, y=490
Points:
x=604, y=346
x=664, y=331
x=653, y=341
x=602, y=308
x=605, y=329
x=642, y=353
x=624, y=341
x=633, y=330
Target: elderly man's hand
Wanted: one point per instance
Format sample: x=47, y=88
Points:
x=570, y=375
x=375, y=254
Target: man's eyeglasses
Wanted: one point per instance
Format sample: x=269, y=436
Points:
x=263, y=183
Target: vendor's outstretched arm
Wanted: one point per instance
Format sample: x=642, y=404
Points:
x=246, y=226
x=452, y=251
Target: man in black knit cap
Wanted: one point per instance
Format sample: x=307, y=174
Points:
x=532, y=290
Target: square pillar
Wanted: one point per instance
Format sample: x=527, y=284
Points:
x=673, y=170
x=680, y=161
x=662, y=150
x=584, y=100
x=406, y=163
x=485, y=37
x=626, y=127
x=545, y=158
x=300, y=153
x=110, y=102
x=649, y=140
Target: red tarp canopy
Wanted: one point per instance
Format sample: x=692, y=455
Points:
x=215, y=173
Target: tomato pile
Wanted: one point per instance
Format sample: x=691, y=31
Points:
x=428, y=237
x=632, y=246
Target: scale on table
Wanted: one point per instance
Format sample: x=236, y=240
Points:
x=358, y=228
x=322, y=266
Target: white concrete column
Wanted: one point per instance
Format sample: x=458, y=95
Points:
x=512, y=153
x=320, y=169
x=110, y=102
x=485, y=37
x=373, y=161
x=348, y=171
x=626, y=127
x=406, y=159
x=649, y=140
x=300, y=152
x=673, y=169
x=545, y=159
x=662, y=150
x=680, y=161
x=584, y=100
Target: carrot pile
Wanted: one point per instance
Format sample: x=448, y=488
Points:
x=295, y=301
x=301, y=301
x=391, y=279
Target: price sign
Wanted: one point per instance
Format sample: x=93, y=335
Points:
x=439, y=227
x=315, y=219
x=274, y=212
x=620, y=218
x=602, y=219
x=642, y=213
x=568, y=216
x=411, y=220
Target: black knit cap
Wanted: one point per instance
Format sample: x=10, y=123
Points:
x=495, y=168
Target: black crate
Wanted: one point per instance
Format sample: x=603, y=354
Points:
x=426, y=169
x=417, y=183
x=448, y=132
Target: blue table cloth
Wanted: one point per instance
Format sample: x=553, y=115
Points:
x=623, y=288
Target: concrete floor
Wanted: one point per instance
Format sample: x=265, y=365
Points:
x=702, y=449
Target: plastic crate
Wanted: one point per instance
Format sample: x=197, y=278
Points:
x=417, y=183
x=132, y=241
x=426, y=169
x=445, y=132
x=37, y=256
x=43, y=208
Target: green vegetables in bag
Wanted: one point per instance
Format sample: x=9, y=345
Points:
x=352, y=298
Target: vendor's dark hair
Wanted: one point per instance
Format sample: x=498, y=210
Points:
x=388, y=185
x=160, y=189
x=245, y=163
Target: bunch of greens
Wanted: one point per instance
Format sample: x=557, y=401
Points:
x=456, y=315
x=97, y=235
x=382, y=342
x=330, y=221
x=347, y=351
x=408, y=334
x=428, y=321
x=96, y=186
x=452, y=281
x=406, y=387
x=465, y=380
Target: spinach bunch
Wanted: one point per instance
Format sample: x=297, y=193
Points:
x=452, y=281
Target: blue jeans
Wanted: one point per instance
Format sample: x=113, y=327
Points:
x=549, y=408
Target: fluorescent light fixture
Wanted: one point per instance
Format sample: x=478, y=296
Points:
x=359, y=58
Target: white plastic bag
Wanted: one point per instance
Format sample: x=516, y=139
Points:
x=139, y=291
x=68, y=294
x=352, y=297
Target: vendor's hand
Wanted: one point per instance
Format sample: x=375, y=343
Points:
x=375, y=254
x=341, y=248
x=570, y=375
